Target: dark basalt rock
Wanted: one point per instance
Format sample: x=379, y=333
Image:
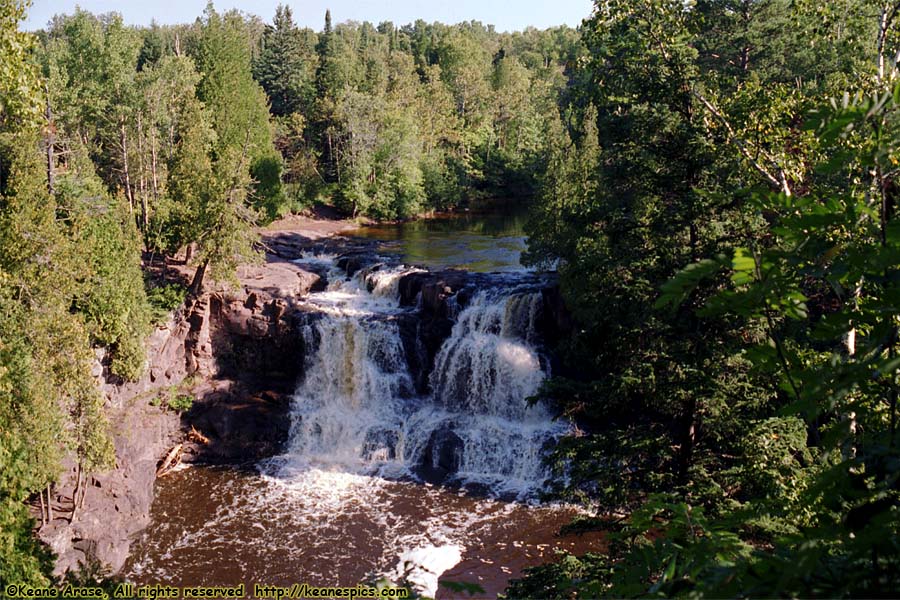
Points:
x=380, y=444
x=443, y=455
x=422, y=339
x=261, y=341
x=240, y=425
x=352, y=262
x=556, y=321
x=116, y=502
x=430, y=291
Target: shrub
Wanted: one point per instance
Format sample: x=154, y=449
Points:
x=181, y=403
x=164, y=299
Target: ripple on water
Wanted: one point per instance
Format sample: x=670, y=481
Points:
x=223, y=526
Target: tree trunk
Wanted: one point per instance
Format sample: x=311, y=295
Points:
x=686, y=452
x=154, y=172
x=197, y=283
x=51, y=142
x=142, y=182
x=75, y=491
x=123, y=140
x=49, y=506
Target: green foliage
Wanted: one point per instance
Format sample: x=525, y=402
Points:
x=181, y=403
x=413, y=119
x=22, y=465
x=440, y=182
x=285, y=67
x=90, y=65
x=20, y=99
x=725, y=237
x=164, y=299
x=732, y=271
x=69, y=276
x=632, y=192
x=91, y=573
x=585, y=576
x=236, y=103
x=460, y=587
x=112, y=300
x=266, y=173
x=214, y=171
x=776, y=461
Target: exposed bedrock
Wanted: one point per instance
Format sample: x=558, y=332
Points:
x=240, y=354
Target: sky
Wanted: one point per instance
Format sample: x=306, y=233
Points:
x=506, y=15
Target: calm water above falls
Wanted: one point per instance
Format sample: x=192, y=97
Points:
x=346, y=502
x=475, y=241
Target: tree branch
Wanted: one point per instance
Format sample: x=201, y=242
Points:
x=780, y=182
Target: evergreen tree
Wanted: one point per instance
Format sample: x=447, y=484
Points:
x=281, y=68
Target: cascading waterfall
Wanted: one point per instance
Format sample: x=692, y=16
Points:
x=352, y=388
x=482, y=378
x=392, y=395
x=356, y=407
x=488, y=366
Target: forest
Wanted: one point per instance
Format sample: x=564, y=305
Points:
x=715, y=181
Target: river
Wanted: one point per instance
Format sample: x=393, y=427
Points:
x=475, y=241
x=353, y=497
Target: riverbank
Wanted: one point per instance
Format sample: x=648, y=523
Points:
x=216, y=348
x=239, y=351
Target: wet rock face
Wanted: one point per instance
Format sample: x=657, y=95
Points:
x=443, y=455
x=440, y=295
x=240, y=425
x=352, y=262
x=556, y=321
x=430, y=291
x=381, y=445
x=422, y=339
x=255, y=337
x=423, y=332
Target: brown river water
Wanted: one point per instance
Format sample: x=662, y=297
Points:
x=217, y=526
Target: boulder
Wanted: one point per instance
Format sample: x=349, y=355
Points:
x=380, y=444
x=351, y=262
x=443, y=455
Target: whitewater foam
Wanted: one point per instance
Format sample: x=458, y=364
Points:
x=356, y=407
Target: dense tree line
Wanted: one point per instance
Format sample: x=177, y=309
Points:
x=394, y=121
x=121, y=146
x=716, y=184
x=722, y=211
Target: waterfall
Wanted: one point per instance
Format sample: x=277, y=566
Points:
x=356, y=407
x=488, y=365
x=481, y=426
x=354, y=381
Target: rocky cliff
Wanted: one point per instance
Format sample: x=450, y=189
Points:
x=235, y=350
x=239, y=353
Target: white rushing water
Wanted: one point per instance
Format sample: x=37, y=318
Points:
x=357, y=410
x=356, y=413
